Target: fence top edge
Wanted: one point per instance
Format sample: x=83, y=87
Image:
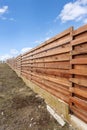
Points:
x=50, y=40
x=80, y=30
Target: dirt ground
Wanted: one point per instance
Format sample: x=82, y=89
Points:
x=20, y=107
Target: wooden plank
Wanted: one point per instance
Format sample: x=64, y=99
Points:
x=52, y=65
x=79, y=71
x=80, y=49
x=79, y=61
x=52, y=52
x=53, y=86
x=79, y=114
x=78, y=81
x=77, y=52
x=26, y=76
x=80, y=30
x=79, y=41
x=58, y=65
x=79, y=92
x=26, y=72
x=56, y=85
x=54, y=44
x=59, y=36
x=62, y=81
x=26, y=65
x=54, y=72
x=59, y=57
x=79, y=102
x=81, y=67
x=64, y=33
x=40, y=65
x=53, y=92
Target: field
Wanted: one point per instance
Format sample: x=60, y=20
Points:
x=20, y=107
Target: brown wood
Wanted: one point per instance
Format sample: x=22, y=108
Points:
x=78, y=102
x=79, y=61
x=81, y=82
x=79, y=114
x=80, y=30
x=79, y=71
x=79, y=41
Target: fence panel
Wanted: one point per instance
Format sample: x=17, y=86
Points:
x=78, y=100
x=48, y=65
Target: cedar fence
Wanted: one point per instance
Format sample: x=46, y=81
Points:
x=59, y=66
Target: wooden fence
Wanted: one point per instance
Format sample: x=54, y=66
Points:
x=78, y=89
x=59, y=66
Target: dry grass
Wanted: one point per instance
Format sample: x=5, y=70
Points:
x=20, y=107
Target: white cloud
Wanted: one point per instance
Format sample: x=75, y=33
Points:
x=12, y=19
x=49, y=32
x=5, y=57
x=3, y=18
x=25, y=49
x=85, y=21
x=76, y=10
x=47, y=38
x=3, y=10
x=38, y=41
x=42, y=40
x=9, y=19
x=14, y=51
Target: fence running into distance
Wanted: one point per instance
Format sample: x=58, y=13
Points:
x=59, y=66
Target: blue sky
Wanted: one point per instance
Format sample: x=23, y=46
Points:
x=25, y=24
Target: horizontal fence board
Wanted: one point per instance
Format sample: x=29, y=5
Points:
x=79, y=113
x=81, y=82
x=54, y=72
x=79, y=41
x=77, y=52
x=80, y=30
x=52, y=85
x=79, y=92
x=59, y=36
x=62, y=81
x=80, y=103
x=79, y=61
x=53, y=92
x=79, y=71
x=59, y=57
x=58, y=65
x=51, y=52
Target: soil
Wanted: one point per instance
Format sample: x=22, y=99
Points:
x=20, y=107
